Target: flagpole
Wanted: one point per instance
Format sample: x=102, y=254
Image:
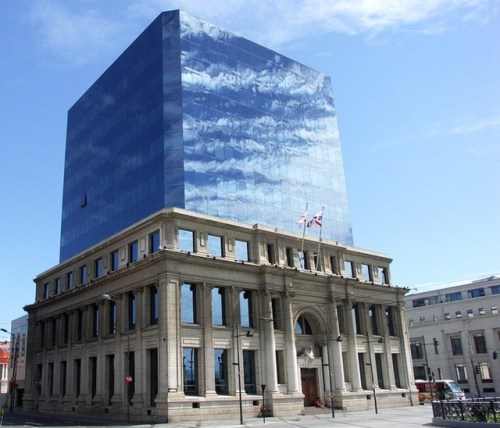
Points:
x=319, y=241
x=303, y=237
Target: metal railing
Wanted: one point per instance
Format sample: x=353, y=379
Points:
x=471, y=410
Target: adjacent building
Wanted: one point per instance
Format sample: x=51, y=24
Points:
x=184, y=282
x=455, y=334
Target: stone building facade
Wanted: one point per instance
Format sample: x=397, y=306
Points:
x=155, y=323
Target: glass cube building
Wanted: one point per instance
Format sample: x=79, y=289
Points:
x=196, y=117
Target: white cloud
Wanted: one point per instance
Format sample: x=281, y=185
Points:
x=81, y=30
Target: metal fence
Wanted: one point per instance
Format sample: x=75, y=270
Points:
x=473, y=410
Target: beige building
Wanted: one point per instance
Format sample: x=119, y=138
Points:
x=155, y=323
x=455, y=333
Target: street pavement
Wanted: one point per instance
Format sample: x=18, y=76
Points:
x=400, y=417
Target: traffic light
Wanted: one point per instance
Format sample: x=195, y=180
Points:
x=478, y=370
x=436, y=343
x=495, y=355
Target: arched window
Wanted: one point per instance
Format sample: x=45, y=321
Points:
x=302, y=326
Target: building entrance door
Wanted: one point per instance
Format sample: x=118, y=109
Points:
x=309, y=385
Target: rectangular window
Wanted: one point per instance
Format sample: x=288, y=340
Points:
x=153, y=305
x=190, y=367
x=246, y=319
x=480, y=343
x=241, y=250
x=188, y=303
x=389, y=313
x=69, y=280
x=45, y=291
x=51, y=378
x=249, y=372
x=289, y=257
x=112, y=317
x=395, y=366
x=456, y=345
x=270, y=254
x=470, y=313
x=453, y=297
x=79, y=324
x=220, y=371
x=65, y=328
x=461, y=372
x=380, y=372
x=215, y=246
x=186, y=240
x=154, y=242
x=62, y=378
x=93, y=377
x=447, y=316
x=357, y=318
x=110, y=378
x=115, y=260
x=494, y=310
x=152, y=373
x=131, y=372
x=478, y=292
x=304, y=259
x=77, y=373
x=218, y=306
x=458, y=314
x=349, y=269
x=83, y=274
x=280, y=367
x=98, y=267
x=416, y=349
x=333, y=264
x=95, y=320
x=482, y=311
x=132, y=307
x=133, y=252
x=366, y=272
x=495, y=289
x=485, y=372
x=372, y=313
x=382, y=275
x=57, y=285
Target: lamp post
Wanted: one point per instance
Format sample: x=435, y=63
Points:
x=128, y=377
x=14, y=346
x=381, y=340
x=249, y=333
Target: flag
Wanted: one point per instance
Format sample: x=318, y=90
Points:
x=303, y=219
x=316, y=220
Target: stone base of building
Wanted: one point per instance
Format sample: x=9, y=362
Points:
x=365, y=399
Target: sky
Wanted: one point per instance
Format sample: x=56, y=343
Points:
x=416, y=86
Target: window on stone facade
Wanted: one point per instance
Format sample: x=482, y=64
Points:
x=57, y=285
x=302, y=326
x=482, y=311
x=280, y=367
x=249, y=373
x=65, y=326
x=115, y=260
x=478, y=292
x=132, y=308
x=453, y=297
x=485, y=371
x=83, y=274
x=333, y=264
x=95, y=320
x=366, y=272
x=271, y=258
x=98, y=270
x=133, y=252
x=495, y=289
x=45, y=291
x=190, y=367
x=50, y=375
x=79, y=325
x=480, y=343
x=152, y=376
x=458, y=314
x=69, y=280
x=461, y=372
x=153, y=305
x=220, y=371
x=447, y=316
x=356, y=315
x=112, y=317
x=289, y=257
x=416, y=349
x=494, y=310
x=246, y=319
x=219, y=306
x=389, y=314
x=470, y=313
x=77, y=376
x=215, y=246
x=382, y=275
x=188, y=303
x=456, y=345
x=349, y=268
x=304, y=259
x=62, y=377
x=154, y=242
x=241, y=250
x=372, y=313
x=186, y=240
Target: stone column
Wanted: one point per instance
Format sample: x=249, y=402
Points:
x=335, y=347
x=268, y=344
x=208, y=340
x=163, y=319
x=136, y=346
x=290, y=347
x=352, y=348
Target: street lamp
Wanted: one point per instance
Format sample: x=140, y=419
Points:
x=128, y=377
x=14, y=345
x=380, y=340
x=249, y=333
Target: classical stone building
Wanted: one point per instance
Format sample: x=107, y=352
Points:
x=455, y=334
x=153, y=322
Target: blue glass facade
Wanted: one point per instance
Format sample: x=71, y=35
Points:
x=196, y=117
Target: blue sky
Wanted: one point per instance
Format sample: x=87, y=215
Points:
x=417, y=91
